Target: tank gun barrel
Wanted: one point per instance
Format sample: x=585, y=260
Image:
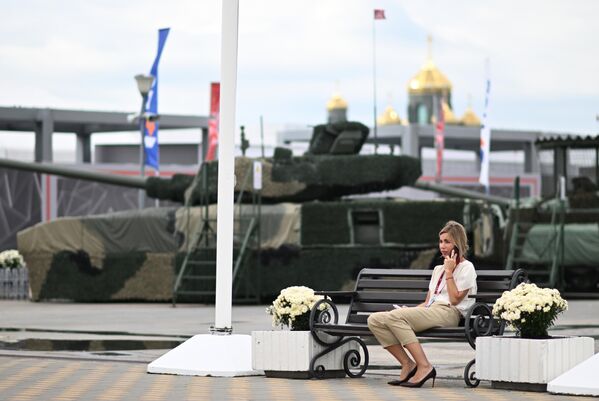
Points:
x=46, y=168
x=462, y=193
x=285, y=178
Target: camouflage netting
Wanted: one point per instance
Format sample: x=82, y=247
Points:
x=403, y=222
x=135, y=255
x=325, y=136
x=326, y=268
x=149, y=230
x=118, y=256
x=128, y=255
x=74, y=276
x=280, y=224
x=333, y=268
x=297, y=179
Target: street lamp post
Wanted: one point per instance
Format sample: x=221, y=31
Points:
x=144, y=83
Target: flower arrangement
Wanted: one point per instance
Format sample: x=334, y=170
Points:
x=11, y=259
x=292, y=307
x=529, y=309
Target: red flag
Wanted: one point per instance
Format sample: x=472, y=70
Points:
x=213, y=120
x=440, y=142
x=379, y=14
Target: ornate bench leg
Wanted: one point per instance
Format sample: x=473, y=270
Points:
x=470, y=377
x=351, y=359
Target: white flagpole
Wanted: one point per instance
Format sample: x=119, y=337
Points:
x=376, y=144
x=485, y=135
x=211, y=354
x=226, y=168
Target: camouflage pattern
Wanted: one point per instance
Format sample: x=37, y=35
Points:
x=130, y=255
x=126, y=277
x=135, y=255
x=294, y=179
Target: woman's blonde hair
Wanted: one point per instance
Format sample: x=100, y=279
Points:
x=457, y=232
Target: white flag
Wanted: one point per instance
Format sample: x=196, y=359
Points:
x=485, y=141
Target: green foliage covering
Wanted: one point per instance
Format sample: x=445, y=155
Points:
x=414, y=222
x=321, y=269
x=168, y=189
x=330, y=177
x=419, y=222
x=534, y=215
x=584, y=200
x=324, y=269
x=73, y=277
x=324, y=135
x=281, y=154
x=325, y=177
x=324, y=223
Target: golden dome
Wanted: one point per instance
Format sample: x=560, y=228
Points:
x=336, y=102
x=448, y=115
x=429, y=79
x=470, y=117
x=389, y=117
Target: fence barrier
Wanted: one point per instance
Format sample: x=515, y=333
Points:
x=14, y=283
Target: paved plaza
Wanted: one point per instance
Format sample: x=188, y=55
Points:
x=102, y=373
x=59, y=379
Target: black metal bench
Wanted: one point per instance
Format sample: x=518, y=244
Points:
x=378, y=289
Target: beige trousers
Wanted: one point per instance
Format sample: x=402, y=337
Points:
x=400, y=325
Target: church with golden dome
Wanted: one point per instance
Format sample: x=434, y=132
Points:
x=430, y=89
x=427, y=90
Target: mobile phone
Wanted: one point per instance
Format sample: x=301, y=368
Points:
x=457, y=253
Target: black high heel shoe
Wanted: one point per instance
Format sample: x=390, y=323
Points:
x=408, y=377
x=432, y=373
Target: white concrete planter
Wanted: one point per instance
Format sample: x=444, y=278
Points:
x=288, y=354
x=528, y=364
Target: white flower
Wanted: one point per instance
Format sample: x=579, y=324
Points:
x=291, y=304
x=528, y=300
x=11, y=258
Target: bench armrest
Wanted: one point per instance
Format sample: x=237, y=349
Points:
x=324, y=312
x=479, y=322
x=336, y=293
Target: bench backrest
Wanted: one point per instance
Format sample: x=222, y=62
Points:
x=378, y=289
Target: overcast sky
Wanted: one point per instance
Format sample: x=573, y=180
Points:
x=294, y=54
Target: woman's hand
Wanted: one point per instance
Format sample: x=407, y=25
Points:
x=450, y=263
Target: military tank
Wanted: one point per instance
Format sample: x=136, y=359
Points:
x=301, y=227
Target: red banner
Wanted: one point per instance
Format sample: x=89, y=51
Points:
x=440, y=142
x=213, y=120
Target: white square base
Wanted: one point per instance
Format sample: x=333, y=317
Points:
x=208, y=355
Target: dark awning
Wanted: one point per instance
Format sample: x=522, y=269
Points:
x=87, y=122
x=569, y=141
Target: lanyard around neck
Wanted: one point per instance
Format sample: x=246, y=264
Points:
x=437, y=290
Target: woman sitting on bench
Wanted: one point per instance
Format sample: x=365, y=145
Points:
x=447, y=300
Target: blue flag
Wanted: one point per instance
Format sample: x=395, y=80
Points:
x=485, y=141
x=151, y=122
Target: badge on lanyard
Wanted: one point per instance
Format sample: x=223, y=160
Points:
x=437, y=290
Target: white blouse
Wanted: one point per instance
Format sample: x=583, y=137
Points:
x=464, y=276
